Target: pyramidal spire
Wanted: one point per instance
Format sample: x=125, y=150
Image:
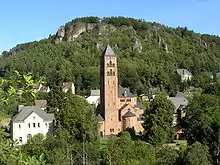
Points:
x=108, y=51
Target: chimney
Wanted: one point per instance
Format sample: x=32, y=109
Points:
x=20, y=107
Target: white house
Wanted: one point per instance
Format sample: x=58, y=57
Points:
x=29, y=121
x=94, y=97
x=179, y=103
x=66, y=86
x=184, y=74
x=41, y=88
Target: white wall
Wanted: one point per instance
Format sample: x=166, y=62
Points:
x=186, y=77
x=24, y=129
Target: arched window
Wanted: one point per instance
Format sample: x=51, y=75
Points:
x=111, y=72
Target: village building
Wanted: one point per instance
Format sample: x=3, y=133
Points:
x=184, y=74
x=119, y=109
x=180, y=102
x=68, y=86
x=29, y=121
x=42, y=88
x=94, y=98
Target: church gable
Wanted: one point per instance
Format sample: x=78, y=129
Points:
x=126, y=108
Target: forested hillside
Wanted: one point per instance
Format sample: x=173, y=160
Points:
x=149, y=54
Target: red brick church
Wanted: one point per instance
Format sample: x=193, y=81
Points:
x=119, y=109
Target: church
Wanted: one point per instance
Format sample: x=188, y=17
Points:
x=119, y=109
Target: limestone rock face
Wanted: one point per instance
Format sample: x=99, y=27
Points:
x=73, y=31
x=137, y=45
x=61, y=33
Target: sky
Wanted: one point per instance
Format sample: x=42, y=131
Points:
x=30, y=20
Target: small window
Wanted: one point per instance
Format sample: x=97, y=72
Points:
x=20, y=139
x=19, y=125
x=101, y=133
x=38, y=125
x=46, y=124
x=29, y=125
x=111, y=129
x=128, y=100
x=122, y=100
x=28, y=136
x=34, y=117
x=34, y=125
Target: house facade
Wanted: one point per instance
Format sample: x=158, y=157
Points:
x=42, y=88
x=184, y=74
x=66, y=86
x=94, y=97
x=29, y=121
x=119, y=109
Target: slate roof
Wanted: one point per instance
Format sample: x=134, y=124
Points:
x=124, y=92
x=139, y=105
x=217, y=74
x=27, y=110
x=95, y=92
x=108, y=51
x=128, y=114
x=100, y=118
x=178, y=101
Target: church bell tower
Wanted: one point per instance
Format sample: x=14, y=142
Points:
x=109, y=91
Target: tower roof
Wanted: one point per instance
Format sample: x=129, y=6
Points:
x=108, y=51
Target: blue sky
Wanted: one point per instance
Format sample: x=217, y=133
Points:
x=29, y=20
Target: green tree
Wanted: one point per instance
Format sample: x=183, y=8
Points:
x=121, y=150
x=158, y=120
x=13, y=156
x=167, y=156
x=202, y=122
x=19, y=88
x=196, y=154
x=77, y=119
x=145, y=153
